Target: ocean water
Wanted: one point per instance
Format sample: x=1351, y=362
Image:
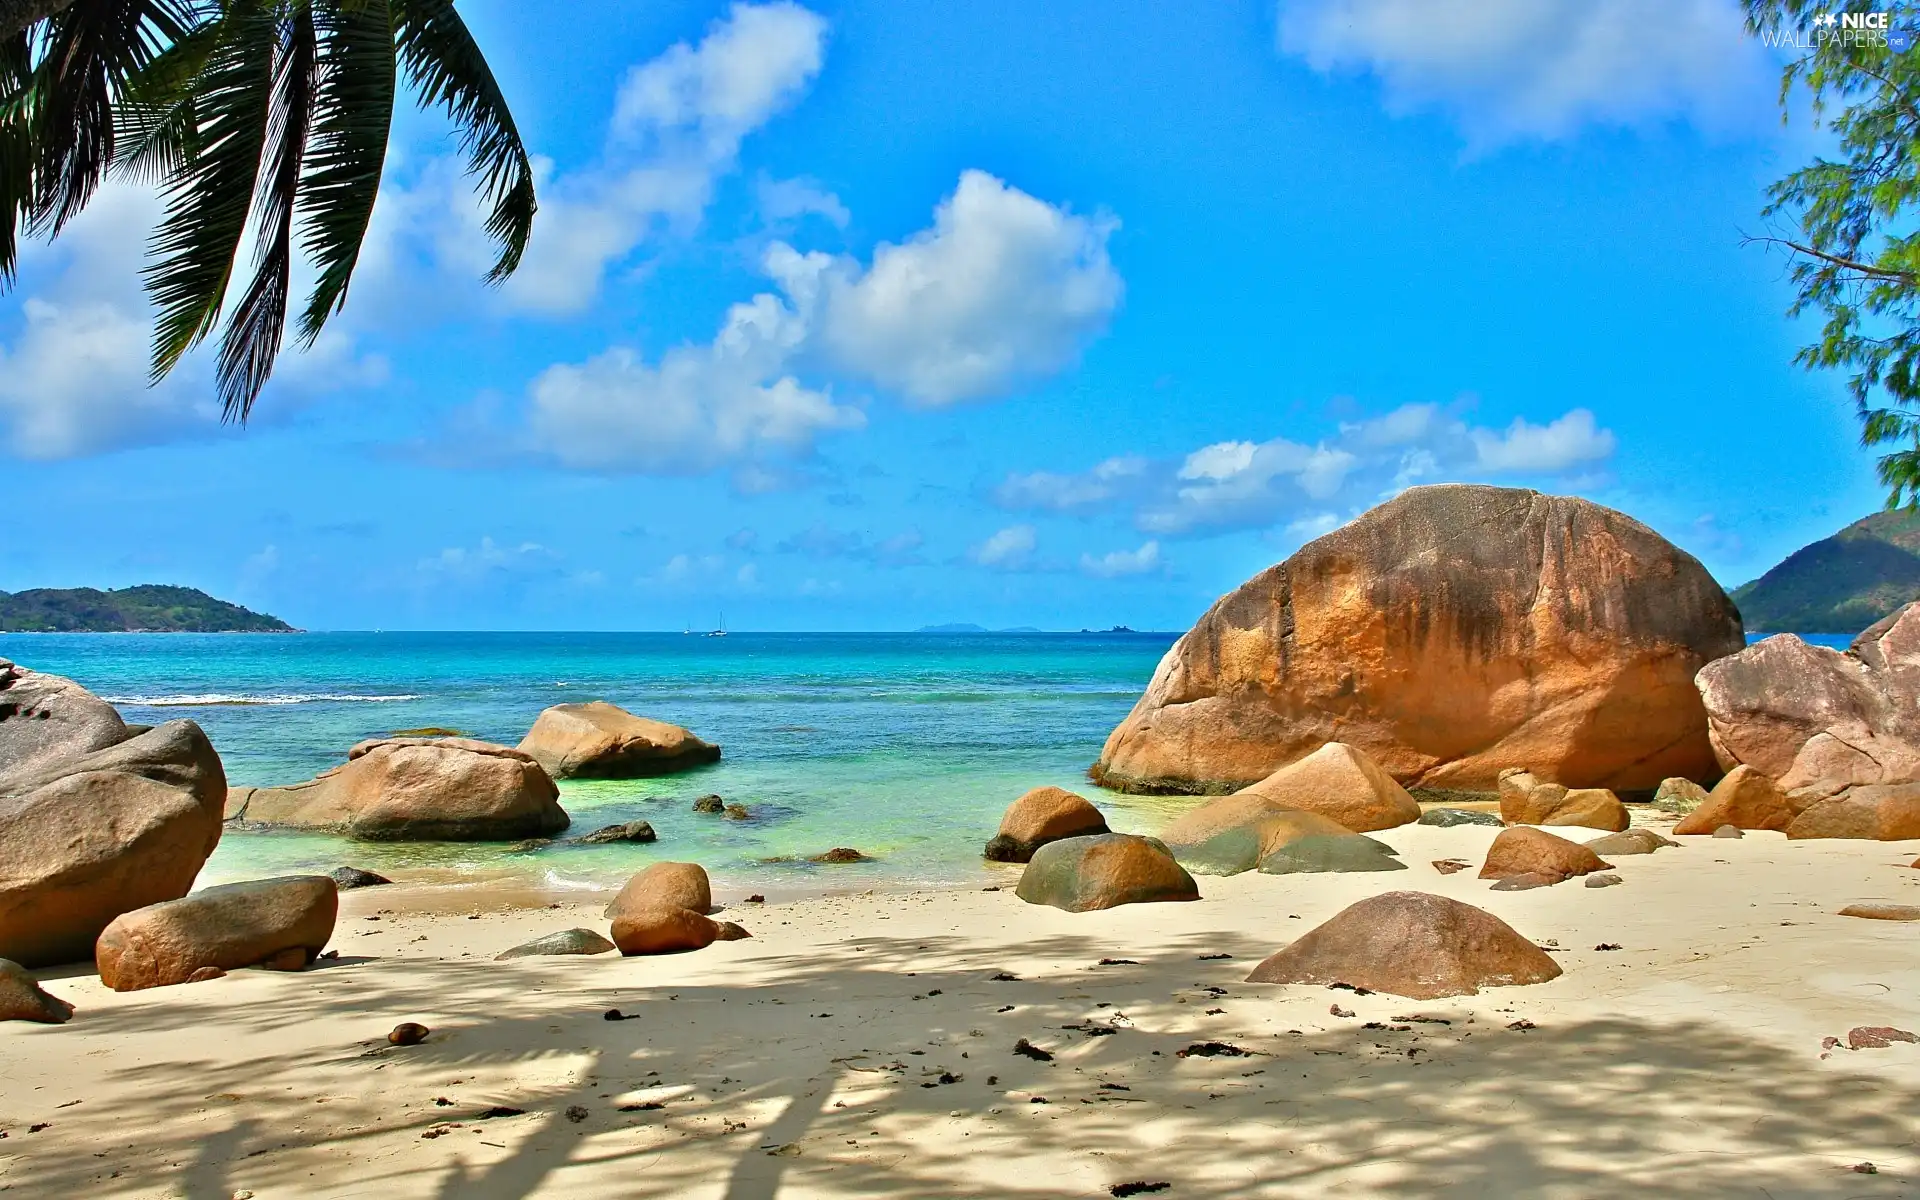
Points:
x=907, y=747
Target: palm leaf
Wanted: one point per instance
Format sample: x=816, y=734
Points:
x=445, y=64
x=207, y=202
x=16, y=150
x=252, y=340
x=155, y=123
x=353, y=112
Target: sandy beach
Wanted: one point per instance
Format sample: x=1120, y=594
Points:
x=862, y=1045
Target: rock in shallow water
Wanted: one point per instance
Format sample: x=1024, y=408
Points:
x=604, y=741
x=23, y=999
x=709, y=804
x=1039, y=816
x=346, y=878
x=630, y=831
x=568, y=941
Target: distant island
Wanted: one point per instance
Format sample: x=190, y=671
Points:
x=1840, y=584
x=964, y=627
x=147, y=608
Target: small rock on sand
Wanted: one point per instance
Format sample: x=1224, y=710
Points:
x=1876, y=1037
x=1883, y=912
x=1448, y=866
x=23, y=999
x=1603, y=880
x=1728, y=831
x=1632, y=841
x=567, y=941
x=408, y=1033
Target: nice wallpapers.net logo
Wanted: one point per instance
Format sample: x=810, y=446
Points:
x=1847, y=29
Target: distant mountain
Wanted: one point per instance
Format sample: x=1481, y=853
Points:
x=1840, y=584
x=965, y=627
x=150, y=608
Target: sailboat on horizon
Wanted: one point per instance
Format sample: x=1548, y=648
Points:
x=722, y=631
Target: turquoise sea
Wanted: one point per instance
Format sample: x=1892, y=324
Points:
x=904, y=746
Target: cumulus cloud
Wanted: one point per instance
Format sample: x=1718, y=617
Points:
x=1010, y=549
x=1507, y=70
x=1118, y=563
x=1296, y=486
x=784, y=200
x=490, y=559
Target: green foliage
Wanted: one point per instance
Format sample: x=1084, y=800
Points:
x=1856, y=259
x=1840, y=584
x=269, y=115
x=148, y=607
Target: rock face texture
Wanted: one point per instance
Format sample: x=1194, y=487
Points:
x=663, y=910
x=1525, y=800
x=604, y=741
x=1234, y=833
x=1745, y=799
x=23, y=999
x=1537, y=854
x=567, y=941
x=1342, y=784
x=1337, y=852
x=1045, y=814
x=47, y=719
x=1887, y=812
x=1104, y=871
x=1806, y=714
x=92, y=836
x=283, y=923
x=1411, y=944
x=1451, y=632
x=416, y=789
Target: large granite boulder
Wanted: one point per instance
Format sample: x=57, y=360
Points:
x=1887, y=812
x=663, y=910
x=1527, y=853
x=598, y=740
x=1411, y=944
x=89, y=837
x=1039, y=816
x=1805, y=714
x=1231, y=834
x=47, y=719
x=416, y=789
x=1745, y=799
x=1104, y=871
x=1342, y=784
x=1449, y=633
x=282, y=923
x=1525, y=800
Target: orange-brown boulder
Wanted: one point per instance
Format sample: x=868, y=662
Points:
x=93, y=836
x=665, y=885
x=663, y=910
x=1411, y=944
x=1104, y=871
x=1231, y=834
x=282, y=922
x=598, y=740
x=1341, y=783
x=1045, y=814
x=1525, y=800
x=442, y=789
x=23, y=999
x=1525, y=851
x=1449, y=633
x=1887, y=812
x=1744, y=799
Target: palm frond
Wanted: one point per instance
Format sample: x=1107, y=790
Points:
x=16, y=151
x=207, y=202
x=353, y=113
x=445, y=64
x=252, y=340
x=155, y=122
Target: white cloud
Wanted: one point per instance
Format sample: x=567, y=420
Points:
x=1011, y=549
x=1053, y=492
x=1515, y=69
x=490, y=559
x=784, y=200
x=1238, y=483
x=1117, y=563
x=1003, y=288
x=1568, y=441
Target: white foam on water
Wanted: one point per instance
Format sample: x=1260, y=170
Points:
x=215, y=699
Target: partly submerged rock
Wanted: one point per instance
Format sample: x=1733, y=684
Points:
x=1104, y=871
x=1447, y=818
x=23, y=999
x=1337, y=852
x=567, y=941
x=840, y=854
x=416, y=789
x=1526, y=852
x=1340, y=783
x=91, y=837
x=1449, y=633
x=1042, y=815
x=603, y=741
x=628, y=831
x=283, y=922
x=347, y=878
x=709, y=804
x=1745, y=799
x=1411, y=944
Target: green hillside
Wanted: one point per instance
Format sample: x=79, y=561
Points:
x=150, y=607
x=1840, y=584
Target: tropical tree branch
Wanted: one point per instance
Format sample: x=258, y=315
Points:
x=16, y=15
x=1866, y=269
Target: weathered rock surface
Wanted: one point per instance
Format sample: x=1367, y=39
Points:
x=416, y=789
x=663, y=910
x=1104, y=871
x=1338, y=852
x=1042, y=815
x=629, y=831
x=1342, y=784
x=1450, y=633
x=1632, y=841
x=1527, y=800
x=1744, y=798
x=1411, y=944
x=665, y=885
x=1887, y=812
x=567, y=941
x=1231, y=834
x=91, y=837
x=709, y=804
x=1603, y=879
x=283, y=922
x=841, y=855
x=604, y=741
x=47, y=719
x=1447, y=818
x=1883, y=912
x=347, y=878
x=23, y=999
x=1676, y=795
x=1524, y=851
x=1805, y=714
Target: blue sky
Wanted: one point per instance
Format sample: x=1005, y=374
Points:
x=876, y=315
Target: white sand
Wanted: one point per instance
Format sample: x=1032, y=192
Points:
x=1687, y=1064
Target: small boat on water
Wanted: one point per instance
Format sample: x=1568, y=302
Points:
x=722, y=631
